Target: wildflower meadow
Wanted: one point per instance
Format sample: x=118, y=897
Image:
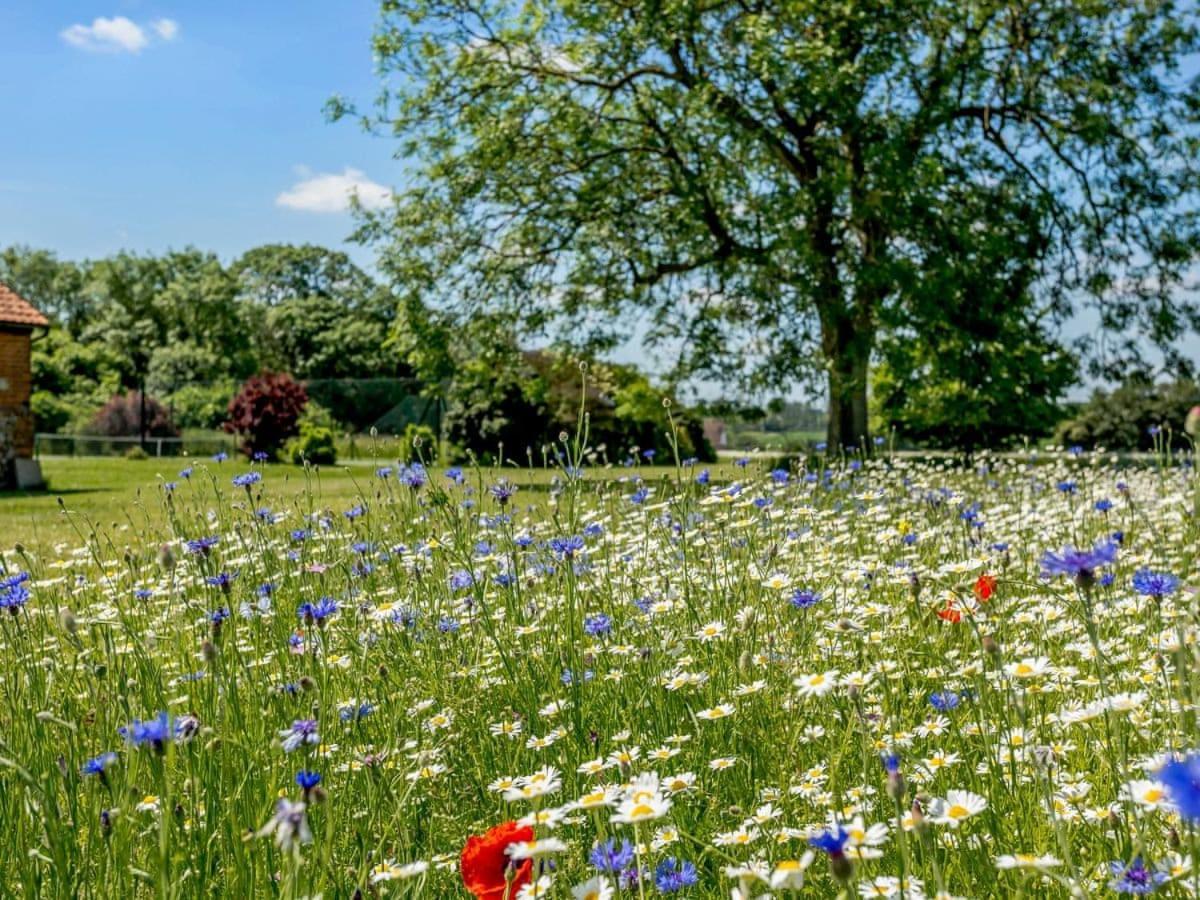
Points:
x=840, y=677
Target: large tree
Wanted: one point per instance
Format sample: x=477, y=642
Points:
x=752, y=181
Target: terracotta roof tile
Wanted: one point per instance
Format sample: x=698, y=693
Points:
x=16, y=311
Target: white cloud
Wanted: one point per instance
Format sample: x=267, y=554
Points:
x=331, y=192
x=118, y=34
x=167, y=29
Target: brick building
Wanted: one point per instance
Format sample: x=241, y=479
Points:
x=18, y=321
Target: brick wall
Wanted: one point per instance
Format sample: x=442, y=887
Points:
x=15, y=386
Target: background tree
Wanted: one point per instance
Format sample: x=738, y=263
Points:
x=52, y=285
x=753, y=182
x=970, y=360
x=1137, y=415
x=273, y=273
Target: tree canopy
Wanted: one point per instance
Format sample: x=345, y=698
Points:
x=760, y=185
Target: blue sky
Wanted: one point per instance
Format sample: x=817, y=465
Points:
x=145, y=125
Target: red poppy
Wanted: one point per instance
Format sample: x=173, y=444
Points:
x=950, y=613
x=985, y=586
x=484, y=864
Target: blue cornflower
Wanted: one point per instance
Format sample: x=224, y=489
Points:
x=455, y=474
x=414, y=476
x=832, y=840
x=446, y=625
x=264, y=514
x=1079, y=563
x=804, y=598
x=742, y=461
x=640, y=495
x=217, y=616
x=356, y=511
x=1067, y=487
x=143, y=594
x=265, y=590
x=185, y=473
x=300, y=534
x=461, y=580
x=352, y=712
x=608, y=857
x=780, y=476
x=156, y=732
x=891, y=763
x=1103, y=505
x=14, y=598
x=222, y=580
x=317, y=612
x=567, y=547
x=1182, y=779
x=98, y=765
x=220, y=457
x=597, y=625
x=944, y=700
x=307, y=780
x=704, y=477
x=674, y=875
x=260, y=456
x=11, y=581
x=502, y=491
x=1154, y=584
x=1135, y=878
x=247, y=479
x=383, y=472
x=202, y=546
x=302, y=731
x=405, y=616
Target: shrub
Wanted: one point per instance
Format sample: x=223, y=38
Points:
x=202, y=405
x=136, y=452
x=419, y=442
x=266, y=412
x=52, y=412
x=316, y=444
x=122, y=416
x=1126, y=418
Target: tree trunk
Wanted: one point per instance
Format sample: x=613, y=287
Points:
x=847, y=351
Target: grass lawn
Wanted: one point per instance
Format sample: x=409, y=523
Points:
x=118, y=497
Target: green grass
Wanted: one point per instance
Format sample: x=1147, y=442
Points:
x=120, y=498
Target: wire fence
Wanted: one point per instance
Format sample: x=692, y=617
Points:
x=101, y=445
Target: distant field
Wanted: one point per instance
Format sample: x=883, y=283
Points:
x=118, y=497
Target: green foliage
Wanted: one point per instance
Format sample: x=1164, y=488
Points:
x=1125, y=418
x=316, y=444
x=202, y=405
x=977, y=369
x=52, y=412
x=524, y=400
x=53, y=286
x=187, y=328
x=419, y=442
x=762, y=186
x=317, y=337
x=136, y=453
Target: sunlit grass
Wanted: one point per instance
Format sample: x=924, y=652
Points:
x=758, y=642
